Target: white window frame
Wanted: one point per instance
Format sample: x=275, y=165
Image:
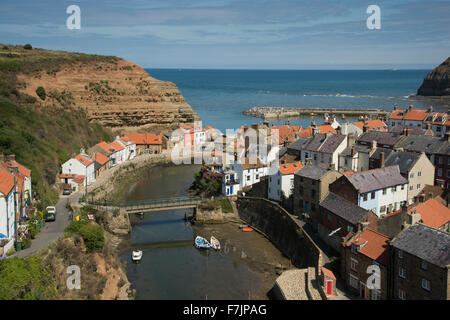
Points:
x=402, y=272
x=353, y=264
x=353, y=280
x=427, y=285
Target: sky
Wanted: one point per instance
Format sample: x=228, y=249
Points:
x=239, y=34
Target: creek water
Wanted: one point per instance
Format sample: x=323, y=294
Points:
x=171, y=267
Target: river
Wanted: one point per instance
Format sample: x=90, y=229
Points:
x=172, y=268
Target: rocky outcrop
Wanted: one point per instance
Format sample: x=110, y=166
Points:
x=117, y=93
x=437, y=82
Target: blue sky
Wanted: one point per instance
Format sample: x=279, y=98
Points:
x=262, y=34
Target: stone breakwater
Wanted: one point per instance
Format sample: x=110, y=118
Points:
x=268, y=113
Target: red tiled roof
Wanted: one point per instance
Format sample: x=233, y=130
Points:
x=397, y=114
x=23, y=170
x=67, y=176
x=290, y=168
x=116, y=146
x=432, y=213
x=308, y=132
x=347, y=173
x=100, y=158
x=84, y=160
x=6, y=180
x=328, y=273
x=145, y=138
x=416, y=114
x=105, y=147
x=373, y=124
x=285, y=133
x=375, y=246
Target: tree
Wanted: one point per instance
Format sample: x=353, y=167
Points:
x=27, y=46
x=40, y=91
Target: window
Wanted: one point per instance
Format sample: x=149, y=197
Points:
x=257, y=177
x=365, y=197
x=419, y=174
x=441, y=160
x=313, y=193
x=329, y=217
x=448, y=173
x=400, y=254
x=383, y=209
x=354, y=248
x=403, y=187
x=394, y=189
x=411, y=175
x=401, y=294
x=376, y=294
x=353, y=264
x=384, y=191
x=315, y=157
x=418, y=186
x=402, y=272
x=349, y=228
x=372, y=195
x=426, y=284
x=424, y=265
x=439, y=172
x=411, y=187
x=248, y=178
x=353, y=281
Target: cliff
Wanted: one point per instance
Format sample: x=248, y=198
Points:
x=114, y=92
x=437, y=82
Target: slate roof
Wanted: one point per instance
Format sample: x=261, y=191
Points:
x=405, y=160
x=414, y=129
x=382, y=138
x=427, y=144
x=358, y=148
x=312, y=172
x=376, y=154
x=298, y=144
x=326, y=143
x=427, y=243
x=343, y=208
x=376, y=179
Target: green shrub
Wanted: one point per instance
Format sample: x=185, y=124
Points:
x=26, y=243
x=93, y=237
x=40, y=91
x=75, y=226
x=32, y=231
x=27, y=46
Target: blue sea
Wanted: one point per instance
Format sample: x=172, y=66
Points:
x=220, y=96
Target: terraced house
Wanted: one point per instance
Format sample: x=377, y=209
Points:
x=420, y=258
x=381, y=190
x=324, y=150
x=8, y=188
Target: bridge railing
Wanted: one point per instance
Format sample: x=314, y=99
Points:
x=155, y=203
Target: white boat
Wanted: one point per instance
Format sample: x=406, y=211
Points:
x=215, y=243
x=202, y=243
x=137, y=255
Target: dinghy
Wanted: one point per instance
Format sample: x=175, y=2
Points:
x=247, y=229
x=215, y=244
x=202, y=243
x=242, y=226
x=136, y=255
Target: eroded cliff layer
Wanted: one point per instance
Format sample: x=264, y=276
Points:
x=437, y=82
x=115, y=92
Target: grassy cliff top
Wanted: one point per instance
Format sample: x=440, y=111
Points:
x=25, y=59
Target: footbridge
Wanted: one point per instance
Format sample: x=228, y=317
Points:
x=150, y=205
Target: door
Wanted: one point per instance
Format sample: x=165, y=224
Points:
x=329, y=287
x=306, y=206
x=362, y=290
x=231, y=190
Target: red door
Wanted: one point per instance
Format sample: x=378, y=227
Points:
x=363, y=290
x=329, y=287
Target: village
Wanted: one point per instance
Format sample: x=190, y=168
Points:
x=371, y=192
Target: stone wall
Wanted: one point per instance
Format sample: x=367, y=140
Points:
x=283, y=229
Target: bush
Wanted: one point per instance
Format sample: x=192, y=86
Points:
x=27, y=46
x=32, y=231
x=40, y=91
x=26, y=243
x=75, y=227
x=93, y=237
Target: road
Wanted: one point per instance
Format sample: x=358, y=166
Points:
x=52, y=229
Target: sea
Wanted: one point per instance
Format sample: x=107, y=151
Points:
x=220, y=96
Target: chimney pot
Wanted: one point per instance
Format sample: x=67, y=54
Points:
x=382, y=159
x=11, y=157
x=395, y=107
x=410, y=107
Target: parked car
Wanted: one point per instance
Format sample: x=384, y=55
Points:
x=50, y=214
x=67, y=191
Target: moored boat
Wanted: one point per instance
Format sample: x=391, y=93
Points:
x=202, y=243
x=215, y=244
x=136, y=255
x=242, y=226
x=247, y=229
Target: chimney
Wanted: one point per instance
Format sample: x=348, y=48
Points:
x=288, y=123
x=430, y=109
x=365, y=127
x=352, y=152
x=382, y=159
x=413, y=218
x=395, y=107
x=351, y=139
x=405, y=131
x=374, y=144
x=82, y=151
x=332, y=167
x=283, y=161
x=338, y=130
x=363, y=225
x=410, y=107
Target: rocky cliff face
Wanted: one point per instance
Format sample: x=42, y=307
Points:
x=119, y=94
x=437, y=82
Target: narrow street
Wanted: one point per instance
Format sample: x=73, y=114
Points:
x=52, y=229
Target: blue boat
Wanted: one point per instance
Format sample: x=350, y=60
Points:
x=202, y=243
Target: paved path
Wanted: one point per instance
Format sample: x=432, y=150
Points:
x=52, y=229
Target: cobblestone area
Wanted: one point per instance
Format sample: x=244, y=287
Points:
x=292, y=284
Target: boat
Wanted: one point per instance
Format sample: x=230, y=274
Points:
x=202, y=243
x=247, y=229
x=215, y=244
x=242, y=226
x=136, y=255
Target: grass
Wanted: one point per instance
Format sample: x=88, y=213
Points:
x=42, y=138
